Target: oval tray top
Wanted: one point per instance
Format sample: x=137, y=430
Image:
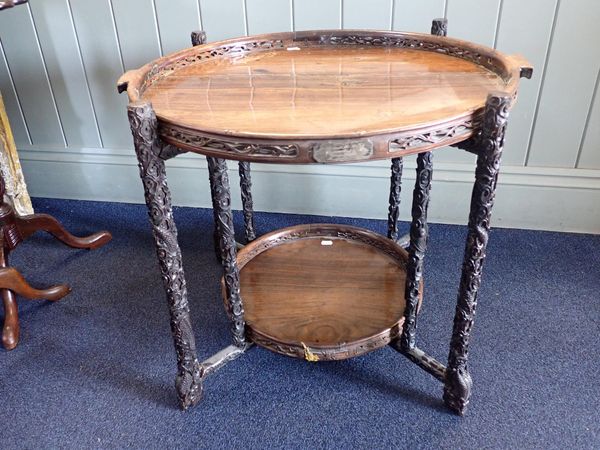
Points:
x=322, y=96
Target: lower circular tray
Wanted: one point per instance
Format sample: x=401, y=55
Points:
x=323, y=292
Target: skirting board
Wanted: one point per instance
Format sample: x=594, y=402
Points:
x=527, y=197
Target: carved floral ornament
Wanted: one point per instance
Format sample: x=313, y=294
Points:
x=434, y=137
x=329, y=151
x=239, y=148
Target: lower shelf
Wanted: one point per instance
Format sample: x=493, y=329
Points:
x=323, y=292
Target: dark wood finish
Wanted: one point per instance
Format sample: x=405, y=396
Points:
x=325, y=97
x=12, y=280
x=343, y=96
x=439, y=27
x=419, y=230
x=394, y=199
x=419, y=233
x=142, y=120
x=458, y=382
x=221, y=198
x=10, y=328
x=247, y=203
x=13, y=230
x=422, y=359
x=198, y=38
x=334, y=301
x=216, y=233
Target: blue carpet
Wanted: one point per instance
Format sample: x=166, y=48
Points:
x=97, y=369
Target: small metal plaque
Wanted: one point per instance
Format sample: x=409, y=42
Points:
x=335, y=151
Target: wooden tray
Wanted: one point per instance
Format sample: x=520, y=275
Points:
x=323, y=292
x=322, y=96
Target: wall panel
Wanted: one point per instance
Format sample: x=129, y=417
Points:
x=589, y=157
x=568, y=86
x=473, y=20
x=525, y=28
x=137, y=30
x=30, y=77
x=104, y=65
x=417, y=16
x=268, y=16
x=176, y=20
x=375, y=16
x=59, y=44
x=11, y=103
x=223, y=19
x=65, y=84
x=328, y=17
x=551, y=199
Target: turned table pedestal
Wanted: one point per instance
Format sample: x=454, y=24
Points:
x=322, y=292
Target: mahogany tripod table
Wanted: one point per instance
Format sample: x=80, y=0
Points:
x=322, y=292
x=14, y=229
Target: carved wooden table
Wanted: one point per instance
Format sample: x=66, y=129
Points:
x=322, y=292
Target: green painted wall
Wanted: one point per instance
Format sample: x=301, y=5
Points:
x=60, y=59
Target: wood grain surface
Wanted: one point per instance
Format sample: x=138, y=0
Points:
x=337, y=292
x=320, y=92
x=326, y=96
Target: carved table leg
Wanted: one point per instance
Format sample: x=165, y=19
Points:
x=199, y=38
x=158, y=200
x=457, y=386
x=221, y=196
x=417, y=244
x=439, y=27
x=247, y=205
x=394, y=207
x=416, y=250
x=216, y=233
